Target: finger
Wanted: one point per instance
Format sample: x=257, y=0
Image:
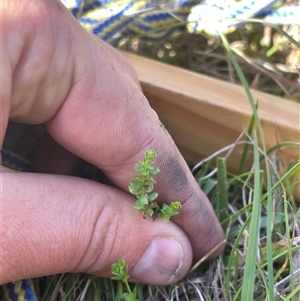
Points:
x=113, y=125
x=65, y=224
x=37, y=59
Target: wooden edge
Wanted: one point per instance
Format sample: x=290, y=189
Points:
x=204, y=115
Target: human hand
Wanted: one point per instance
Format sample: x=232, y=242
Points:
x=88, y=96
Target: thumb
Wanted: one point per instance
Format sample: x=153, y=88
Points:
x=57, y=224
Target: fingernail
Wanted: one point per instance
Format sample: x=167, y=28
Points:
x=161, y=262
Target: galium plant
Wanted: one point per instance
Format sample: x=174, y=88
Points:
x=120, y=272
x=142, y=187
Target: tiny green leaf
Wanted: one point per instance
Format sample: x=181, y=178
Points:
x=149, y=188
x=154, y=171
x=133, y=190
x=140, y=206
x=128, y=297
x=176, y=206
x=150, y=154
x=119, y=269
x=149, y=211
x=152, y=196
x=167, y=211
x=136, y=184
x=143, y=199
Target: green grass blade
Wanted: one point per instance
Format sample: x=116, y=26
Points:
x=246, y=147
x=250, y=267
x=222, y=202
x=262, y=140
x=233, y=257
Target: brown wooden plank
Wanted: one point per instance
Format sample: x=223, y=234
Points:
x=204, y=114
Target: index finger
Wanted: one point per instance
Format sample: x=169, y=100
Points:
x=107, y=121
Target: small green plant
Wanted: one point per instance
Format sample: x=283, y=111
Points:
x=142, y=187
x=120, y=270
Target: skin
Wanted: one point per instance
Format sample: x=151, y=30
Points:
x=88, y=96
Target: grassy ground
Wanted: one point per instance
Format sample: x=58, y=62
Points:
x=256, y=208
